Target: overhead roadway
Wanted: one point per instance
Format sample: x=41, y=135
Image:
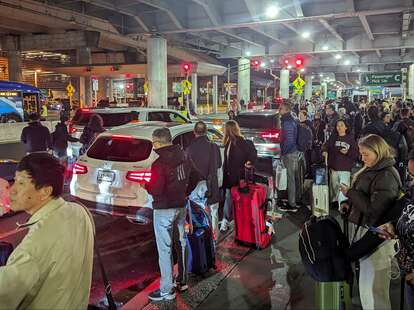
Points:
x=366, y=33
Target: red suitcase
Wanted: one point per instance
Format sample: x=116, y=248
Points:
x=249, y=206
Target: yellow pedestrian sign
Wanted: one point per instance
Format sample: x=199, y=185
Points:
x=70, y=90
x=186, y=84
x=298, y=82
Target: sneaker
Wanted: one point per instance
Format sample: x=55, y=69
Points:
x=288, y=208
x=157, y=295
x=224, y=225
x=182, y=287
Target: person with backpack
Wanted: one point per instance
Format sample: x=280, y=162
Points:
x=90, y=132
x=239, y=153
x=374, y=189
x=341, y=150
x=205, y=158
x=405, y=126
x=290, y=154
x=168, y=187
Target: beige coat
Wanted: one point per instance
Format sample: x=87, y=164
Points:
x=52, y=267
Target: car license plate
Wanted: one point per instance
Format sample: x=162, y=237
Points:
x=105, y=176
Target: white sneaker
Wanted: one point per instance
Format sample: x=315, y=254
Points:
x=224, y=225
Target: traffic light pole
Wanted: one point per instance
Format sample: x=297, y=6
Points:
x=187, y=96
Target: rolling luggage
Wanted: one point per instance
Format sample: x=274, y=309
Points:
x=333, y=296
x=202, y=248
x=249, y=203
x=320, y=191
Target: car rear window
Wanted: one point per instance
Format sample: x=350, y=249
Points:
x=81, y=118
x=256, y=121
x=120, y=149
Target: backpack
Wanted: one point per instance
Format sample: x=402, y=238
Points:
x=304, y=138
x=322, y=246
x=408, y=126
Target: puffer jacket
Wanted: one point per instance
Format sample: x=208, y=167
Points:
x=375, y=190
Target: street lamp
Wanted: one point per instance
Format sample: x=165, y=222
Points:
x=35, y=76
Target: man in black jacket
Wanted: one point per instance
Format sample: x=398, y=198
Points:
x=168, y=186
x=205, y=158
x=35, y=136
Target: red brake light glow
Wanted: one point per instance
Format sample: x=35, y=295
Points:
x=122, y=137
x=273, y=135
x=138, y=176
x=85, y=110
x=72, y=129
x=80, y=169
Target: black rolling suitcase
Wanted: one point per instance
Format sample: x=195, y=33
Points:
x=202, y=251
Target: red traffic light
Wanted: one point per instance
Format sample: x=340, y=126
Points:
x=299, y=61
x=186, y=67
x=286, y=61
x=256, y=63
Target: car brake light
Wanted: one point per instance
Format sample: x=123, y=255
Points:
x=72, y=129
x=138, y=176
x=122, y=137
x=272, y=135
x=85, y=110
x=80, y=169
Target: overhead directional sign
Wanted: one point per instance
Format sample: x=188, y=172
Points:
x=381, y=79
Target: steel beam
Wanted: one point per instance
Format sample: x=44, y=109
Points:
x=166, y=8
x=367, y=28
x=331, y=29
x=378, y=53
x=298, y=8
x=237, y=36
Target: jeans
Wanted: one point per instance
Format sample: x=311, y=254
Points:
x=228, y=206
x=290, y=161
x=409, y=295
x=166, y=221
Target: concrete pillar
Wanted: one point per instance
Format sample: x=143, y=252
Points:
x=411, y=82
x=194, y=91
x=157, y=72
x=15, y=66
x=109, y=90
x=284, y=83
x=84, y=57
x=308, y=87
x=243, y=83
x=215, y=94
x=324, y=90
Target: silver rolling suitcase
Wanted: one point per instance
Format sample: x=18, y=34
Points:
x=320, y=192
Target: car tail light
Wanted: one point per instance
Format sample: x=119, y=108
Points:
x=80, y=169
x=138, y=176
x=273, y=135
x=85, y=110
x=122, y=137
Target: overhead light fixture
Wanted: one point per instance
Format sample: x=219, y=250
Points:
x=321, y=75
x=272, y=60
x=347, y=62
x=263, y=64
x=272, y=11
x=289, y=67
x=312, y=77
x=248, y=53
x=302, y=70
x=358, y=70
x=306, y=34
x=338, y=56
x=325, y=47
x=38, y=70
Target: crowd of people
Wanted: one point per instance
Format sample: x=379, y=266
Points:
x=368, y=148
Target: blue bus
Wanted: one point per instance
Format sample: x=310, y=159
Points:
x=18, y=100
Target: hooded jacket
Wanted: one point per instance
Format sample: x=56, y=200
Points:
x=169, y=178
x=374, y=191
x=36, y=137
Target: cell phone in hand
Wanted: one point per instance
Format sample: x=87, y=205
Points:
x=380, y=231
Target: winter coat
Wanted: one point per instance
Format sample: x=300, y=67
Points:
x=88, y=137
x=169, y=178
x=60, y=138
x=205, y=157
x=318, y=127
x=373, y=192
x=241, y=151
x=36, y=137
x=289, y=134
x=331, y=121
x=336, y=160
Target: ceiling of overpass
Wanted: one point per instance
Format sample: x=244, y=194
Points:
x=367, y=35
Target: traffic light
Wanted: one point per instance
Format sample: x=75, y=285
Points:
x=299, y=61
x=255, y=63
x=286, y=62
x=186, y=67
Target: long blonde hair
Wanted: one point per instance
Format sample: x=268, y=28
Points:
x=377, y=145
x=231, y=132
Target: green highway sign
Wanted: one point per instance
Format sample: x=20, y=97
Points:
x=381, y=79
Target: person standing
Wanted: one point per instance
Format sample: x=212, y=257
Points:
x=168, y=187
x=374, y=189
x=290, y=154
x=60, y=138
x=331, y=118
x=206, y=160
x=341, y=150
x=35, y=136
x=239, y=153
x=51, y=268
x=91, y=131
x=405, y=126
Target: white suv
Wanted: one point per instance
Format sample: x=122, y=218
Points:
x=107, y=174
x=115, y=117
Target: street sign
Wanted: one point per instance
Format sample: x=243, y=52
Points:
x=298, y=84
x=381, y=79
x=186, y=84
x=70, y=90
x=95, y=85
